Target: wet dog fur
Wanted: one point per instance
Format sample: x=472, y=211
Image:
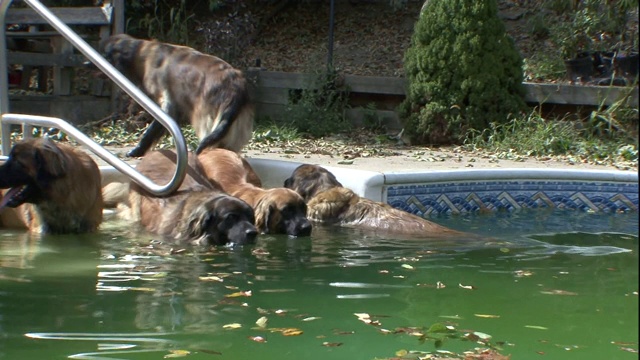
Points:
x=53, y=188
x=192, y=87
x=198, y=211
x=329, y=202
x=277, y=210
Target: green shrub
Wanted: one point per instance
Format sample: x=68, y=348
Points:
x=319, y=109
x=464, y=72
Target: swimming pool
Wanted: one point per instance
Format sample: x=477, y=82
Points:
x=560, y=281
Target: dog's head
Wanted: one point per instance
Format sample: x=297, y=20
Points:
x=221, y=220
x=121, y=51
x=282, y=211
x=33, y=165
x=310, y=180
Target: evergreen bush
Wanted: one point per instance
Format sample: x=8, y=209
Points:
x=464, y=72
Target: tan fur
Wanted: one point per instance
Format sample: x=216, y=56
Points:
x=69, y=198
x=277, y=210
x=192, y=87
x=184, y=215
x=115, y=193
x=329, y=202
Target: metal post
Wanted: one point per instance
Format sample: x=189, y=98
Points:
x=330, y=45
x=4, y=78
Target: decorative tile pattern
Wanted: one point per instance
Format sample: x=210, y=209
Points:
x=464, y=197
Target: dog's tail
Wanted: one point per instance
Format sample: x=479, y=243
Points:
x=235, y=128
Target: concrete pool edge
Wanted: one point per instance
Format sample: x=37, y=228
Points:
x=468, y=190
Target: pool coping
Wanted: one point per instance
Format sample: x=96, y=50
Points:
x=462, y=190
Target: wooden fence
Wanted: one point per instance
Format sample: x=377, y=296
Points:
x=45, y=56
x=272, y=89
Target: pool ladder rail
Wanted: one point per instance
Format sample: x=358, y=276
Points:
x=28, y=121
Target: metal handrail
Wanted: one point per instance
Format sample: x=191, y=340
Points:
x=7, y=119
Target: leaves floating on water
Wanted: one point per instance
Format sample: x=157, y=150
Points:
x=239, y=293
x=259, y=339
x=487, y=316
x=467, y=287
x=440, y=285
x=407, y=266
x=331, y=344
x=291, y=332
x=177, y=354
x=211, y=278
x=522, y=273
x=232, y=326
x=536, y=327
x=262, y=322
x=311, y=318
x=558, y=292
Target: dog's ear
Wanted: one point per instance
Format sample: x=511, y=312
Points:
x=288, y=183
x=262, y=212
x=49, y=159
x=194, y=226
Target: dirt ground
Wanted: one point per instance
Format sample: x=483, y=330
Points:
x=399, y=159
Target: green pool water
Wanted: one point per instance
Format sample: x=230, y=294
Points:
x=548, y=284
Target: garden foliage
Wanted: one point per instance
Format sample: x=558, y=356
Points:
x=464, y=72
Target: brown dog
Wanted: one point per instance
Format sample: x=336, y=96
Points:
x=329, y=202
x=192, y=87
x=198, y=211
x=59, y=186
x=277, y=210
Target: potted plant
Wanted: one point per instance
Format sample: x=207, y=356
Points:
x=575, y=48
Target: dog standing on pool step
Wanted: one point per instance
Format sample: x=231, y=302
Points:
x=192, y=87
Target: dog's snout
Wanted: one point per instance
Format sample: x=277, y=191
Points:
x=251, y=235
x=304, y=229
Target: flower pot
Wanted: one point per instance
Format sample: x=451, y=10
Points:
x=580, y=68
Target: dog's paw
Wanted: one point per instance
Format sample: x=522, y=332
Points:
x=136, y=152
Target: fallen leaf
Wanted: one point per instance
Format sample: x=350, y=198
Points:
x=177, y=354
x=468, y=287
x=558, y=292
x=331, y=344
x=311, y=318
x=522, y=273
x=487, y=316
x=407, y=266
x=232, y=326
x=239, y=293
x=259, y=339
x=536, y=327
x=440, y=285
x=211, y=278
x=292, y=332
x=262, y=322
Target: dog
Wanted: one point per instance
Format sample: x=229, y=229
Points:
x=192, y=87
x=329, y=202
x=277, y=210
x=53, y=188
x=198, y=211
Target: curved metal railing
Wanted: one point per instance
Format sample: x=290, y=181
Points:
x=7, y=119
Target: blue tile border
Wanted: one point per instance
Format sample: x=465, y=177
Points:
x=458, y=197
